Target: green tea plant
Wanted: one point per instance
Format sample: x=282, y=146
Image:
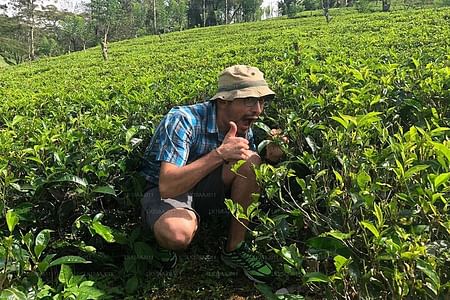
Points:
x=24, y=265
x=358, y=208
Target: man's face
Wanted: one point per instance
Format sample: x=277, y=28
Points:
x=244, y=112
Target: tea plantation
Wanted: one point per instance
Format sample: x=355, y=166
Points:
x=358, y=209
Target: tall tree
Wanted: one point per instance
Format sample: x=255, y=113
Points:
x=76, y=32
x=105, y=15
x=27, y=12
x=177, y=14
x=251, y=10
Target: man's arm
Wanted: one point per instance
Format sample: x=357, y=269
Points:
x=174, y=180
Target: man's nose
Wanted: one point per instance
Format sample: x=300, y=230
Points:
x=258, y=107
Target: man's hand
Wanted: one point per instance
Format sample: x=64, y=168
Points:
x=273, y=150
x=234, y=148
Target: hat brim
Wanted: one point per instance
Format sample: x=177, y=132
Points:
x=259, y=91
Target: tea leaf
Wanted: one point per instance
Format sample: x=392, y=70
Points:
x=41, y=241
x=339, y=262
x=130, y=134
x=143, y=251
x=71, y=178
x=338, y=178
x=339, y=235
x=363, y=179
x=426, y=268
x=263, y=127
x=371, y=227
x=65, y=274
x=443, y=149
x=45, y=263
x=12, y=294
x=12, y=219
x=341, y=121
x=262, y=145
x=16, y=120
x=378, y=214
x=316, y=277
x=368, y=119
x=441, y=179
x=69, y=259
x=414, y=170
x=104, y=231
x=106, y=189
x=236, y=166
x=132, y=285
x=329, y=244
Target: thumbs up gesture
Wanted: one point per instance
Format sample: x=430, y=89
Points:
x=233, y=147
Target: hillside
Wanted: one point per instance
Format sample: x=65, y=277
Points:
x=364, y=100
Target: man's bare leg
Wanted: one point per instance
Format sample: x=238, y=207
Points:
x=242, y=188
x=175, y=229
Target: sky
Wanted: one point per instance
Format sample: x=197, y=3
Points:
x=69, y=5
x=74, y=5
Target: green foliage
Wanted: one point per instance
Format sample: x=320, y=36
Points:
x=366, y=112
x=22, y=265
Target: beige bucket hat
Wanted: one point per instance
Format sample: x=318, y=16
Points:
x=242, y=81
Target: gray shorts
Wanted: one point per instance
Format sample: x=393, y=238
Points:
x=206, y=200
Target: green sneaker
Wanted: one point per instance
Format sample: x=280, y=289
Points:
x=166, y=259
x=252, y=263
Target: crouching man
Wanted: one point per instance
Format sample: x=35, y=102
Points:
x=191, y=154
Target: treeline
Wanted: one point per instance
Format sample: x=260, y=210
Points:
x=36, y=29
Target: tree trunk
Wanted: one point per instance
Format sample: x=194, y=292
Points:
x=235, y=11
x=204, y=13
x=32, y=21
x=226, y=12
x=154, y=17
x=104, y=45
x=326, y=10
x=32, y=54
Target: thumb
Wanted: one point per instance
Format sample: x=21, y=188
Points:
x=232, y=131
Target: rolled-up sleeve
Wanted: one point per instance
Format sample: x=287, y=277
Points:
x=175, y=139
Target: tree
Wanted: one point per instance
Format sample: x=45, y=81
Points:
x=177, y=14
x=12, y=46
x=28, y=14
x=105, y=15
x=251, y=10
x=76, y=31
x=290, y=7
x=48, y=46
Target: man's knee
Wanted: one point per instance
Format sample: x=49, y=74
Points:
x=175, y=232
x=246, y=171
x=252, y=162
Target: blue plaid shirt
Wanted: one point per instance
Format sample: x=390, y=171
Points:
x=184, y=135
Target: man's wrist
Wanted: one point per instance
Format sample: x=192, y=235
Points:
x=220, y=154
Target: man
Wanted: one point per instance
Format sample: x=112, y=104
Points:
x=189, y=158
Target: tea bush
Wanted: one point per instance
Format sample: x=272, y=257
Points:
x=363, y=99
